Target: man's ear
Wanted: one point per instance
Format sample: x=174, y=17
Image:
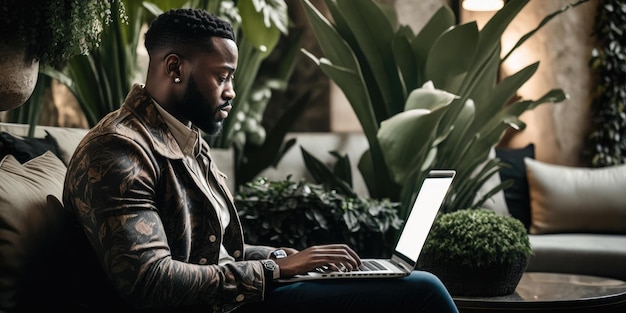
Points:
x=172, y=65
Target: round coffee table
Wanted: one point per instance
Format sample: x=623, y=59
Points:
x=551, y=291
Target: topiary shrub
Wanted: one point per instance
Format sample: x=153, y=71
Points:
x=476, y=238
x=476, y=252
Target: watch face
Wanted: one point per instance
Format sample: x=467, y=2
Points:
x=279, y=254
x=269, y=265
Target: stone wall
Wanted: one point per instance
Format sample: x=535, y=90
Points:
x=563, y=48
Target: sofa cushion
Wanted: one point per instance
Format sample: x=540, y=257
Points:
x=576, y=199
x=587, y=254
x=517, y=197
x=27, y=223
x=25, y=148
x=66, y=138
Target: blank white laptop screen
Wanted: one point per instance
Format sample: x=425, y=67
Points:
x=412, y=239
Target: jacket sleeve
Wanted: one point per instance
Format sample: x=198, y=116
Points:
x=110, y=186
x=253, y=252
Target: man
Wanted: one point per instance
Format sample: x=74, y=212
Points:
x=158, y=215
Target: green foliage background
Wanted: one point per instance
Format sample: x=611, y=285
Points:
x=606, y=142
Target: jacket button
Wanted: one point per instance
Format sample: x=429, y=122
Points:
x=212, y=238
x=237, y=253
x=203, y=261
x=239, y=298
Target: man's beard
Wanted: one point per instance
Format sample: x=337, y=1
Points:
x=199, y=111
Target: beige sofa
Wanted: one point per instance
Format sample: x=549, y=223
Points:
x=36, y=235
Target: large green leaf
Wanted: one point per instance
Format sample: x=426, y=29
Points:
x=323, y=175
x=332, y=44
x=489, y=39
x=405, y=58
x=446, y=64
x=503, y=92
x=406, y=139
x=376, y=99
x=442, y=20
x=460, y=119
x=374, y=34
x=355, y=92
x=428, y=97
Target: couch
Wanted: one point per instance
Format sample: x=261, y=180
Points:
x=576, y=217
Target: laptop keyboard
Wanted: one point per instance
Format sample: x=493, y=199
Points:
x=370, y=265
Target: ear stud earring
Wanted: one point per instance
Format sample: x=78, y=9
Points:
x=177, y=80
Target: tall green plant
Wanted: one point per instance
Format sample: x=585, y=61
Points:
x=399, y=85
x=101, y=79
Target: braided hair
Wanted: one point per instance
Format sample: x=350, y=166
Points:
x=184, y=27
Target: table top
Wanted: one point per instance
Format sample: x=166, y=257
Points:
x=552, y=290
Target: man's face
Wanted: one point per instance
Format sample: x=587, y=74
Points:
x=209, y=90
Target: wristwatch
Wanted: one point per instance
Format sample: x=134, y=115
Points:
x=278, y=254
x=271, y=269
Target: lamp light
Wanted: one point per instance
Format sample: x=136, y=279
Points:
x=483, y=5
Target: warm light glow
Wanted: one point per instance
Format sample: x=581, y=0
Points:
x=483, y=5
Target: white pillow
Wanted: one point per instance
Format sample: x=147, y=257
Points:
x=576, y=199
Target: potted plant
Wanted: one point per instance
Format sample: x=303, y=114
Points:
x=476, y=252
x=392, y=78
x=48, y=33
x=300, y=214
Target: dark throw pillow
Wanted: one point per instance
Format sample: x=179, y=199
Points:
x=26, y=148
x=517, y=197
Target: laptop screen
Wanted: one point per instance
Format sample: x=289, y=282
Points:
x=428, y=202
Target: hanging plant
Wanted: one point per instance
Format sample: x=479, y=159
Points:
x=606, y=143
x=55, y=30
x=48, y=33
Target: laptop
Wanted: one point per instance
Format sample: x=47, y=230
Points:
x=412, y=238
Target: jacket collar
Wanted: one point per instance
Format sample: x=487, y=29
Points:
x=142, y=107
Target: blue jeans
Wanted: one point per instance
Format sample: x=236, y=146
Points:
x=418, y=292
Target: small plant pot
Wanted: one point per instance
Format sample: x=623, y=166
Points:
x=488, y=281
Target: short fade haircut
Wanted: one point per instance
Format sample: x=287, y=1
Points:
x=186, y=26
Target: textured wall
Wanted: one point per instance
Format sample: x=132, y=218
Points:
x=563, y=48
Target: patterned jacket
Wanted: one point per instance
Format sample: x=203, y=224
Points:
x=151, y=225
